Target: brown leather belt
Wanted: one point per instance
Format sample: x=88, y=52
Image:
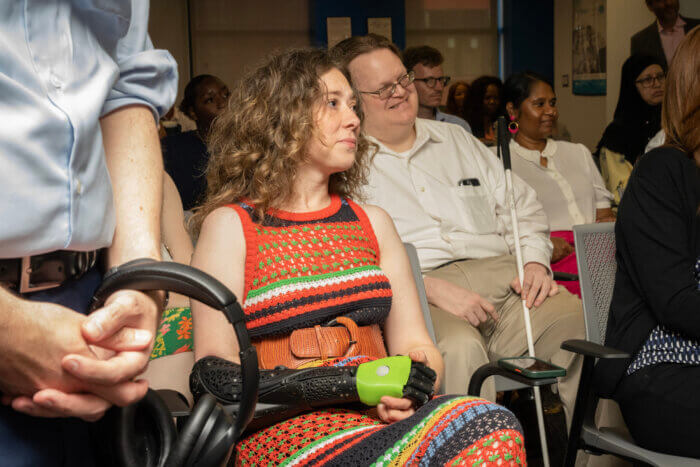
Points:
x=33, y=273
x=319, y=343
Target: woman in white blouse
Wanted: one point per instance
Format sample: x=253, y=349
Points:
x=563, y=174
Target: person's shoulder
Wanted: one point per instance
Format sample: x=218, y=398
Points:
x=446, y=131
x=568, y=147
x=644, y=33
x=612, y=135
x=380, y=219
x=178, y=140
x=222, y=219
x=664, y=159
x=454, y=120
x=375, y=213
x=690, y=23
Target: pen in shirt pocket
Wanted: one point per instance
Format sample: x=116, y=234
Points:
x=469, y=182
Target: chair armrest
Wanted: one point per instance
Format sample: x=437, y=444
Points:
x=564, y=276
x=592, y=349
x=175, y=402
x=491, y=369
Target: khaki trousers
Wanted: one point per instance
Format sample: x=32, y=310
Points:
x=465, y=348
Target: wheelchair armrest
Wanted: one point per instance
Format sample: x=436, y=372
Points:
x=591, y=349
x=564, y=276
x=175, y=402
x=491, y=369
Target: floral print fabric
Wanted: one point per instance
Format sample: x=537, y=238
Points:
x=174, y=334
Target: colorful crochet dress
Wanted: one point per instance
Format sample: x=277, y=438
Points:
x=305, y=269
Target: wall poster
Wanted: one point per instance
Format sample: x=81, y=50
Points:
x=381, y=26
x=338, y=28
x=588, y=54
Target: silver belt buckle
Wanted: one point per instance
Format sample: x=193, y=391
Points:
x=25, y=272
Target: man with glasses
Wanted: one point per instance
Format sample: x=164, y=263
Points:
x=446, y=194
x=430, y=81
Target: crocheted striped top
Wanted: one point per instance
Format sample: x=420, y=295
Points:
x=303, y=269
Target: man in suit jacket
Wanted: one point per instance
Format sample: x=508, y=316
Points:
x=661, y=38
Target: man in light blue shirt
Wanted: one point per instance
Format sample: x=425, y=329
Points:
x=430, y=81
x=81, y=90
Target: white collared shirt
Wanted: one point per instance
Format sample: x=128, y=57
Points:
x=570, y=188
x=447, y=221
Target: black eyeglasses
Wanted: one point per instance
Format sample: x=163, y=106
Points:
x=432, y=81
x=649, y=80
x=389, y=90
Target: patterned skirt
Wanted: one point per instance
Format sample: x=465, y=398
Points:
x=448, y=430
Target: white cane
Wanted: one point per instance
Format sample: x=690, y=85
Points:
x=504, y=154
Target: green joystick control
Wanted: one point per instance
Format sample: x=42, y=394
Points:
x=384, y=377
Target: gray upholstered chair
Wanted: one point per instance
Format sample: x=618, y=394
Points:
x=595, y=252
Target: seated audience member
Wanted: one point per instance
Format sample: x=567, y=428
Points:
x=656, y=301
x=658, y=140
x=455, y=98
x=661, y=37
x=175, y=122
x=173, y=338
x=185, y=154
x=637, y=119
x=280, y=229
x=446, y=193
x=563, y=174
x=426, y=64
x=174, y=334
x=481, y=107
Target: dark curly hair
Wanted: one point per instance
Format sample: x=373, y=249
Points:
x=474, y=103
x=190, y=93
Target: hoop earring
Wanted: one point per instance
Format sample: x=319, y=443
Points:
x=513, y=125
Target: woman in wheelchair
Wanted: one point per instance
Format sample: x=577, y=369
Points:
x=326, y=288
x=655, y=309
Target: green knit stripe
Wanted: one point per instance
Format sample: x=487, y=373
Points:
x=252, y=293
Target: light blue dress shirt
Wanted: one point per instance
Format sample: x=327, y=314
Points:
x=449, y=118
x=63, y=65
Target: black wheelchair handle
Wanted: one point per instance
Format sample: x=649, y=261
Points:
x=146, y=275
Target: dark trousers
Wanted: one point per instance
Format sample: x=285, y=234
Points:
x=661, y=407
x=31, y=441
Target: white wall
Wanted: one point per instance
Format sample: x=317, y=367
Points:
x=690, y=8
x=228, y=37
x=231, y=37
x=167, y=26
x=465, y=33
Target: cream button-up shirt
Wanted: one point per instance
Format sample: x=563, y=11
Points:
x=447, y=196
x=570, y=188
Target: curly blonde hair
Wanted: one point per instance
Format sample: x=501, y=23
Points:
x=258, y=143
